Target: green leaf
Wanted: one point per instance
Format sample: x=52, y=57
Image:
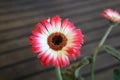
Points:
x=113, y=52
x=116, y=74
x=72, y=72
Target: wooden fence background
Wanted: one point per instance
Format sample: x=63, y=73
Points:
x=17, y=19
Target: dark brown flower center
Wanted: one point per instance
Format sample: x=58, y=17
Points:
x=57, y=41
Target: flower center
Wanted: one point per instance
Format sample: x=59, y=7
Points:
x=57, y=41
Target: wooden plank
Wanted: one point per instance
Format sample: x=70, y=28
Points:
x=16, y=56
x=21, y=69
x=99, y=33
x=42, y=76
x=105, y=59
x=14, y=44
x=15, y=34
x=36, y=11
x=9, y=75
x=88, y=8
x=13, y=3
x=38, y=5
x=6, y=3
x=20, y=23
x=102, y=61
x=12, y=17
x=91, y=46
x=106, y=75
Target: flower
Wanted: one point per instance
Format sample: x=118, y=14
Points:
x=112, y=15
x=55, y=41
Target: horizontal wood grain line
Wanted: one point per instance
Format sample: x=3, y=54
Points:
x=6, y=3
x=75, y=20
x=106, y=75
x=35, y=13
x=32, y=6
x=30, y=25
x=11, y=18
x=22, y=61
x=19, y=27
x=51, y=68
x=31, y=14
x=29, y=3
x=36, y=73
x=17, y=49
x=37, y=6
x=20, y=23
x=92, y=41
x=97, y=71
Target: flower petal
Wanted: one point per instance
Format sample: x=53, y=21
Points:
x=46, y=32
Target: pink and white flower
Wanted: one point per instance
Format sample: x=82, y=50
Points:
x=55, y=41
x=112, y=15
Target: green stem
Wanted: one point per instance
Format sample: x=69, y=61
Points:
x=58, y=73
x=98, y=48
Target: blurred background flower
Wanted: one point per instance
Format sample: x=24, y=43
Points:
x=111, y=15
